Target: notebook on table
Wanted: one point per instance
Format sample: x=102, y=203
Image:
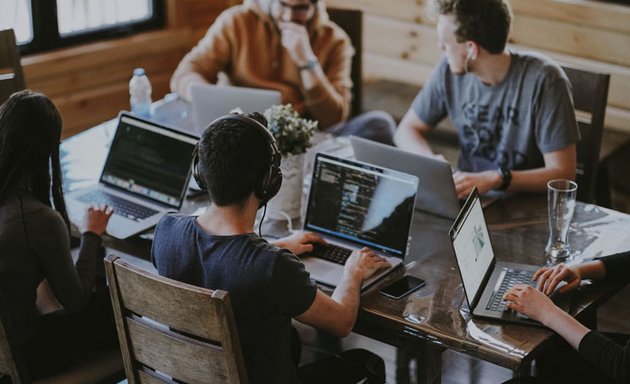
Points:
x=145, y=175
x=354, y=205
x=484, y=278
x=210, y=102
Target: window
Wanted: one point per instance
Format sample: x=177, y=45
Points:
x=47, y=24
x=17, y=14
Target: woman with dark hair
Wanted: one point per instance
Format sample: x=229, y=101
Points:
x=35, y=244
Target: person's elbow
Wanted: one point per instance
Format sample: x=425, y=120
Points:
x=344, y=327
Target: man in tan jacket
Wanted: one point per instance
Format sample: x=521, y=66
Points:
x=290, y=46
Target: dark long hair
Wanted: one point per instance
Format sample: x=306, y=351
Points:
x=30, y=130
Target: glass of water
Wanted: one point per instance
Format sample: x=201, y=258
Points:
x=560, y=203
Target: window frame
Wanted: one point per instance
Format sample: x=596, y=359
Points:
x=46, y=35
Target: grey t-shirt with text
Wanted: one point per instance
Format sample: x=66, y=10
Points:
x=511, y=124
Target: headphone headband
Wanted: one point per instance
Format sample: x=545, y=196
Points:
x=270, y=182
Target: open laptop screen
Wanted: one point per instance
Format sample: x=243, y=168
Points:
x=471, y=243
x=149, y=160
x=362, y=203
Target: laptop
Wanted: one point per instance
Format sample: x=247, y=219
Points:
x=354, y=205
x=484, y=278
x=210, y=102
x=145, y=176
x=436, y=193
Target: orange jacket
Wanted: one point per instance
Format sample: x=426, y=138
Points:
x=244, y=43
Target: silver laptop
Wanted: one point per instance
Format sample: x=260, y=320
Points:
x=436, y=191
x=145, y=176
x=484, y=278
x=210, y=102
x=354, y=205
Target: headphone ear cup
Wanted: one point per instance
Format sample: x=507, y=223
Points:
x=195, y=171
x=275, y=182
x=269, y=185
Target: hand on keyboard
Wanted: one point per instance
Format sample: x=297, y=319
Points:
x=551, y=278
x=299, y=242
x=530, y=302
x=97, y=217
x=364, y=263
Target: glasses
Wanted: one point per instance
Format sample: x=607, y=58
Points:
x=297, y=8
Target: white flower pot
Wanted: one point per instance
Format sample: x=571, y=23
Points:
x=288, y=201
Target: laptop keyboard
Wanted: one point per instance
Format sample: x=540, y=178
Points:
x=332, y=253
x=122, y=207
x=511, y=278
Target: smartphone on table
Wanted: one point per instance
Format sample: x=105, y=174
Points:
x=401, y=288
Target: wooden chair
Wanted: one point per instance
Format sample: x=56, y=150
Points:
x=11, y=75
x=173, y=332
x=351, y=21
x=590, y=96
x=103, y=368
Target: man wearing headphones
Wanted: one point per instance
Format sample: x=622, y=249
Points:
x=238, y=163
x=512, y=110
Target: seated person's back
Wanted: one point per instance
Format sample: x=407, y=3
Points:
x=237, y=161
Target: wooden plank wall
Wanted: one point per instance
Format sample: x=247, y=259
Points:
x=89, y=83
x=400, y=41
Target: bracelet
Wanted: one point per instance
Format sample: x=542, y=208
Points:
x=506, y=176
x=310, y=65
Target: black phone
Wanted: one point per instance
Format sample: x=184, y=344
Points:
x=400, y=288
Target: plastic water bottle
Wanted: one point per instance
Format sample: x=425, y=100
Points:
x=140, y=93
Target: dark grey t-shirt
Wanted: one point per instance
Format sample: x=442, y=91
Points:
x=267, y=285
x=511, y=124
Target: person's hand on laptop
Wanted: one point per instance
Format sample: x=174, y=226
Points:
x=530, y=302
x=299, y=242
x=549, y=278
x=96, y=219
x=484, y=181
x=364, y=263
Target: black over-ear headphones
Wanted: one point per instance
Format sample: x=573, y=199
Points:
x=271, y=180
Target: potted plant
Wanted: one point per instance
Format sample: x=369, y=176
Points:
x=294, y=136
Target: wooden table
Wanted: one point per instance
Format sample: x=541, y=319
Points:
x=436, y=317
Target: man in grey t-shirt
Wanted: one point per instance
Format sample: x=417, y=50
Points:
x=513, y=111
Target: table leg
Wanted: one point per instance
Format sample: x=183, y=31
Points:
x=428, y=358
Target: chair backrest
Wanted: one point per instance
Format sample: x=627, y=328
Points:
x=351, y=21
x=11, y=75
x=172, y=331
x=590, y=96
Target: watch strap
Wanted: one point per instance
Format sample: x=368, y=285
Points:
x=310, y=65
x=506, y=177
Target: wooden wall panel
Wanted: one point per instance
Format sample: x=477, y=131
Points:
x=90, y=83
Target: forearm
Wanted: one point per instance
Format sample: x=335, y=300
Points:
x=348, y=296
x=592, y=270
x=565, y=325
x=535, y=180
x=325, y=103
x=411, y=140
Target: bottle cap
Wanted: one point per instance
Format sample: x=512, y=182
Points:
x=138, y=72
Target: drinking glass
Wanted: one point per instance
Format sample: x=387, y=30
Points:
x=560, y=203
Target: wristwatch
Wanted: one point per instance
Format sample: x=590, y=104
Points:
x=311, y=64
x=506, y=177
